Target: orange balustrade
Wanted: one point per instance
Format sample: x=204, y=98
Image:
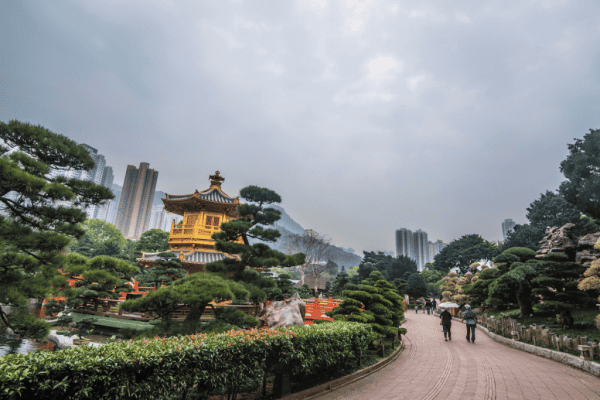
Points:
x=316, y=309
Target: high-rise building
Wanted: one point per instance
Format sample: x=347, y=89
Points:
x=98, y=174
x=112, y=209
x=437, y=247
x=431, y=252
x=507, y=226
x=421, y=248
x=404, y=243
x=106, y=181
x=161, y=219
x=136, y=200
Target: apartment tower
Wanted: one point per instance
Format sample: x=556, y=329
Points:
x=135, y=205
x=421, y=249
x=507, y=226
x=404, y=243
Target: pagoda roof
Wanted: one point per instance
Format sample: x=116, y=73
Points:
x=212, y=194
x=202, y=257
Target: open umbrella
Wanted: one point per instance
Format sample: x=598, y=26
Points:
x=448, y=305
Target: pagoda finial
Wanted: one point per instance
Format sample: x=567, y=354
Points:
x=216, y=180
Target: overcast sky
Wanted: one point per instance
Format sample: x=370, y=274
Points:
x=365, y=116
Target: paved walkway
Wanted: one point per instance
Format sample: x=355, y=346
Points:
x=430, y=368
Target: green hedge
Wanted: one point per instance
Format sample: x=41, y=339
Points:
x=197, y=365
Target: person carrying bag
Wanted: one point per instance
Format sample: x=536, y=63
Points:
x=471, y=321
x=446, y=322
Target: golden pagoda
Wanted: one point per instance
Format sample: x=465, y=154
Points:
x=203, y=213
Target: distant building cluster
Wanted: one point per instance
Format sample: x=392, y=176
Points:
x=507, y=226
x=101, y=174
x=416, y=246
x=161, y=219
x=131, y=208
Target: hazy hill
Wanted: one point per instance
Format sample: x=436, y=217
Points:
x=287, y=226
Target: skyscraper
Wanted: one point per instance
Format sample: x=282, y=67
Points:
x=421, y=248
x=405, y=243
x=136, y=200
x=437, y=247
x=507, y=226
x=113, y=208
x=106, y=181
x=96, y=175
x=431, y=252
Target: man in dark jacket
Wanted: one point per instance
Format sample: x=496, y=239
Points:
x=471, y=321
x=446, y=318
x=428, y=305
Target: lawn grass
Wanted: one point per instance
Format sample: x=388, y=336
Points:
x=113, y=322
x=584, y=324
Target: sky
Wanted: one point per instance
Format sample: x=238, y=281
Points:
x=365, y=116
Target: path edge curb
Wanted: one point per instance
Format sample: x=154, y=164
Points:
x=558, y=356
x=346, y=380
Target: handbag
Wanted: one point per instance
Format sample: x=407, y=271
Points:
x=441, y=321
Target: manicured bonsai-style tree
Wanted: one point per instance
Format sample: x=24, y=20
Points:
x=556, y=283
x=478, y=290
x=164, y=273
x=195, y=291
x=105, y=278
x=382, y=305
x=518, y=267
x=254, y=221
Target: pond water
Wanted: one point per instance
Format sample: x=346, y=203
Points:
x=9, y=345
x=22, y=346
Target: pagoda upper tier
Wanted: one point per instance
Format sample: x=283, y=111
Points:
x=203, y=213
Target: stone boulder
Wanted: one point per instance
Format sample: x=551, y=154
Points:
x=559, y=240
x=583, y=250
x=285, y=313
x=586, y=253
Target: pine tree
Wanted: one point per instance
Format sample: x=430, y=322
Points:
x=253, y=218
x=40, y=216
x=166, y=270
x=382, y=305
x=195, y=291
x=518, y=268
x=556, y=283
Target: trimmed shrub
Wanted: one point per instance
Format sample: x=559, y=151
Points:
x=197, y=365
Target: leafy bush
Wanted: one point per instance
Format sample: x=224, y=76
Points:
x=199, y=365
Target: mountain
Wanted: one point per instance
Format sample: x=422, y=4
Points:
x=287, y=226
x=286, y=222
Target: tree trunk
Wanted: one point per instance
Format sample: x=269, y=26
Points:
x=4, y=318
x=523, y=297
x=195, y=314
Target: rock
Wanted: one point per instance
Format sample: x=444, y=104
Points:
x=558, y=240
x=285, y=313
x=10, y=333
x=586, y=257
x=588, y=241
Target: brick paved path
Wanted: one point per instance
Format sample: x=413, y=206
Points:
x=430, y=368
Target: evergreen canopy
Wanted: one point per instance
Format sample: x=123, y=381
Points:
x=39, y=214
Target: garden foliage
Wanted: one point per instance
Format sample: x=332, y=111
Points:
x=193, y=365
x=382, y=305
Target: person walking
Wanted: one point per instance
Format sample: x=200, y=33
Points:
x=471, y=321
x=428, y=304
x=434, y=304
x=446, y=320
